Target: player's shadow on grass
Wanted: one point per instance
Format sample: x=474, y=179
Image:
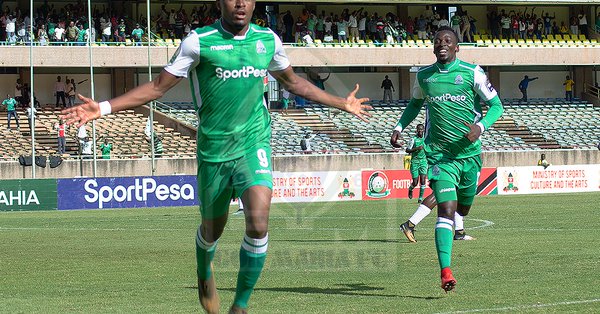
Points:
x=340, y=289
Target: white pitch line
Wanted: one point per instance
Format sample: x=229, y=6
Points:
x=486, y=223
x=523, y=307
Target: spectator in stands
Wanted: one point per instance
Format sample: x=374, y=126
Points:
x=10, y=27
x=583, y=24
x=72, y=32
x=465, y=29
x=31, y=112
x=121, y=29
x=61, y=127
x=598, y=23
x=388, y=87
x=285, y=100
x=59, y=91
x=548, y=22
x=137, y=34
x=105, y=25
x=42, y=35
x=19, y=92
x=305, y=143
x=455, y=21
x=106, y=148
x=569, y=83
x=524, y=84
x=158, y=146
x=85, y=148
x=70, y=91
x=543, y=162
x=10, y=104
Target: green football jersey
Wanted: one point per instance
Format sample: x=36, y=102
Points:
x=226, y=75
x=419, y=155
x=452, y=93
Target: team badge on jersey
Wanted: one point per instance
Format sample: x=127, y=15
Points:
x=489, y=86
x=458, y=80
x=260, y=47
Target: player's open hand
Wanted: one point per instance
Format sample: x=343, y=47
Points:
x=356, y=107
x=474, y=132
x=395, y=139
x=81, y=114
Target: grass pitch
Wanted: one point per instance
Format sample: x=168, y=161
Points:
x=532, y=254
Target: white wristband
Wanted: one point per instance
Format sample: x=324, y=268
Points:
x=398, y=128
x=481, y=126
x=105, y=108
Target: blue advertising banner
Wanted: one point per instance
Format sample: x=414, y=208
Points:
x=127, y=192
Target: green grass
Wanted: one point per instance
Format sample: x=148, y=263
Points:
x=541, y=254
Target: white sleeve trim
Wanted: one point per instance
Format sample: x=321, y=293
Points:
x=417, y=91
x=481, y=127
x=398, y=128
x=482, y=85
x=280, y=60
x=186, y=57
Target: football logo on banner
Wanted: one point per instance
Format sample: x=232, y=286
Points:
x=378, y=185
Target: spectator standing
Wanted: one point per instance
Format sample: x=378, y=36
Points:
x=72, y=32
x=10, y=104
x=86, y=148
x=569, y=83
x=59, y=33
x=61, y=128
x=70, y=91
x=106, y=148
x=137, y=34
x=583, y=24
x=10, y=29
x=524, y=84
x=19, y=92
x=455, y=21
x=59, y=91
x=388, y=87
x=465, y=31
x=42, y=35
x=31, y=112
x=158, y=146
x=362, y=26
x=543, y=162
x=305, y=143
x=105, y=25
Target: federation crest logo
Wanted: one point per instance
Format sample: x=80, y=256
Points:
x=378, y=185
x=458, y=80
x=260, y=47
x=510, y=179
x=346, y=193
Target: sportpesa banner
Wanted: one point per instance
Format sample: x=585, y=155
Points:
x=554, y=179
x=388, y=184
x=127, y=192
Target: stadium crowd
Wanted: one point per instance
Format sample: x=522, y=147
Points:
x=69, y=24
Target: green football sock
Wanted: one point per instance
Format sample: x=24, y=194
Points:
x=205, y=252
x=252, y=259
x=443, y=241
x=421, y=192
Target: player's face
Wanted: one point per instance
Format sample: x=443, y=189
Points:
x=445, y=47
x=236, y=14
x=420, y=131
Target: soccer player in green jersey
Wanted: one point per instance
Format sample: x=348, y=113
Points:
x=418, y=163
x=226, y=63
x=452, y=89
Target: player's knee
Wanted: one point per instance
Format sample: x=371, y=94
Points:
x=463, y=209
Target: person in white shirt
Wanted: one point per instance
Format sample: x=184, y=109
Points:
x=10, y=29
x=362, y=26
x=59, y=33
x=86, y=148
x=59, y=91
x=31, y=112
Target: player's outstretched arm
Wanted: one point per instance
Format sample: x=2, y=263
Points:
x=90, y=109
x=301, y=87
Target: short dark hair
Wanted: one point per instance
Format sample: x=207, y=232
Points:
x=447, y=29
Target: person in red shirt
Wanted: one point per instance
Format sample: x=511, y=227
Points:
x=61, y=128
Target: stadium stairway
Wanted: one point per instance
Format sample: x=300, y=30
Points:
x=320, y=124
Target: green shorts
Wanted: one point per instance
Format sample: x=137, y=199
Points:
x=455, y=179
x=219, y=182
x=418, y=168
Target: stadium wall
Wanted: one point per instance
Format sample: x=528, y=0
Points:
x=300, y=163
